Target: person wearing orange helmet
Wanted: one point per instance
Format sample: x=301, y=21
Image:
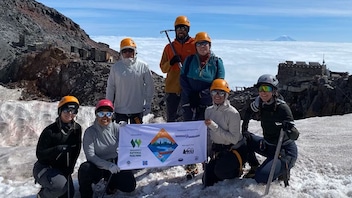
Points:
x=130, y=85
x=198, y=72
x=171, y=61
x=100, y=144
x=57, y=151
x=226, y=145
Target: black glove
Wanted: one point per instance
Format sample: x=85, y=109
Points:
x=287, y=125
x=247, y=135
x=194, y=99
x=290, y=129
x=175, y=59
x=64, y=148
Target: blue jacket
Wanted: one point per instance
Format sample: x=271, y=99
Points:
x=196, y=80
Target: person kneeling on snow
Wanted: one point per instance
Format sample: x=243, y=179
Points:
x=226, y=146
x=100, y=143
x=57, y=151
x=275, y=115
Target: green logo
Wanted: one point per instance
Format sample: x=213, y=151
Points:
x=136, y=142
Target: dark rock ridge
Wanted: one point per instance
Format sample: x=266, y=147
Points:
x=49, y=56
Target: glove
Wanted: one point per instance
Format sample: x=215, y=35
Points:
x=255, y=104
x=63, y=148
x=175, y=59
x=146, y=109
x=194, y=99
x=247, y=135
x=113, y=168
x=122, y=123
x=287, y=125
x=290, y=129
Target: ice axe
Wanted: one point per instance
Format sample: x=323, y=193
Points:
x=172, y=47
x=276, y=158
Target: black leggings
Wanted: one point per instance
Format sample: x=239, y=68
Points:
x=88, y=174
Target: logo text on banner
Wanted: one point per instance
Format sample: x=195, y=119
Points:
x=161, y=144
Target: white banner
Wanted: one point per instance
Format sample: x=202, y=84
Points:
x=162, y=144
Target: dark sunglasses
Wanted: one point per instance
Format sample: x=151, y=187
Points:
x=70, y=110
x=127, y=50
x=202, y=43
x=219, y=92
x=182, y=28
x=265, y=88
x=102, y=114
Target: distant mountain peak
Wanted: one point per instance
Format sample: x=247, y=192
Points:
x=284, y=38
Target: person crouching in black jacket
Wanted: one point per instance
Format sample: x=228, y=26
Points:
x=57, y=151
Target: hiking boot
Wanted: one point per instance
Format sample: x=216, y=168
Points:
x=191, y=171
x=251, y=172
x=282, y=177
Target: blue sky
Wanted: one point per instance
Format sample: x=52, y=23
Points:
x=303, y=20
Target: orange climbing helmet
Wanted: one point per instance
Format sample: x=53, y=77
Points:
x=202, y=36
x=127, y=43
x=68, y=102
x=220, y=84
x=182, y=20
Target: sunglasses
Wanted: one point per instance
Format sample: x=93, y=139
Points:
x=265, y=88
x=70, y=110
x=127, y=51
x=203, y=43
x=182, y=28
x=218, y=92
x=102, y=114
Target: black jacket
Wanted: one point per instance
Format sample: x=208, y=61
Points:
x=49, y=148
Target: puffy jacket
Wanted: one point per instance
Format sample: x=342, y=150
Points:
x=48, y=152
x=172, y=81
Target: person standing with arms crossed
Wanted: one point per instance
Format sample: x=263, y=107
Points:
x=130, y=85
x=171, y=63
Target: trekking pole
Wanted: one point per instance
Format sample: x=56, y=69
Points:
x=68, y=176
x=172, y=47
x=273, y=166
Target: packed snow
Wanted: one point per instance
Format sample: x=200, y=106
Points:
x=323, y=168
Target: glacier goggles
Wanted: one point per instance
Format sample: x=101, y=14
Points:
x=218, y=92
x=128, y=50
x=265, y=88
x=70, y=110
x=101, y=114
x=202, y=43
